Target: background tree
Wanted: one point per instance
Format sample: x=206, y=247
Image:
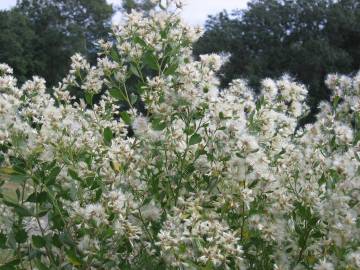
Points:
x=16, y=43
x=49, y=32
x=143, y=5
x=305, y=38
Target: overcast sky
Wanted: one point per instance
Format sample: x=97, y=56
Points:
x=195, y=11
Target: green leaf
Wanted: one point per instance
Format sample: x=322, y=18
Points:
x=114, y=55
x=254, y=183
x=17, y=175
x=322, y=179
x=140, y=41
x=20, y=236
x=134, y=71
x=171, y=69
x=133, y=98
x=158, y=124
x=336, y=101
x=40, y=265
x=38, y=241
x=89, y=98
x=8, y=171
x=38, y=197
x=22, y=211
x=10, y=265
x=189, y=169
x=19, y=209
x=195, y=139
x=73, y=174
x=3, y=240
x=151, y=61
x=108, y=135
x=182, y=248
x=125, y=117
x=52, y=176
x=260, y=102
x=73, y=258
x=17, y=178
x=116, y=93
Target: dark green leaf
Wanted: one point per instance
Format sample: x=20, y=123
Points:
x=20, y=210
x=195, y=139
x=116, y=93
x=89, y=98
x=254, y=183
x=52, y=176
x=40, y=265
x=10, y=265
x=126, y=118
x=171, y=69
x=108, y=135
x=20, y=236
x=140, y=41
x=73, y=174
x=336, y=101
x=158, y=124
x=3, y=240
x=38, y=241
x=134, y=70
x=38, y=197
x=114, y=55
x=151, y=61
x=17, y=178
x=73, y=257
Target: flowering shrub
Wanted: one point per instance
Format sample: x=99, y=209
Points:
x=158, y=169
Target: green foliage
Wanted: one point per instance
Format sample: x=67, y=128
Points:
x=16, y=43
x=305, y=38
x=143, y=5
x=38, y=37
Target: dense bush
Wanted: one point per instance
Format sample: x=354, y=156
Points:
x=200, y=179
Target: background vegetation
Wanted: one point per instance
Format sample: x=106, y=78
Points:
x=305, y=38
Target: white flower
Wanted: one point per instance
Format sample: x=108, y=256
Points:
x=5, y=70
x=324, y=265
x=247, y=143
x=269, y=88
x=151, y=211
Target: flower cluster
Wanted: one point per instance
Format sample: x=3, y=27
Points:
x=142, y=162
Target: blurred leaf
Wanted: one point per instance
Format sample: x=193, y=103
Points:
x=20, y=236
x=195, y=139
x=38, y=241
x=134, y=71
x=10, y=265
x=151, y=61
x=73, y=258
x=53, y=175
x=126, y=118
x=116, y=93
x=108, y=135
x=3, y=240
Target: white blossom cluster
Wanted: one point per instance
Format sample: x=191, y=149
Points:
x=154, y=167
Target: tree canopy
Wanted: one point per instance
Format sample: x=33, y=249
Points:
x=143, y=5
x=305, y=38
x=39, y=36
